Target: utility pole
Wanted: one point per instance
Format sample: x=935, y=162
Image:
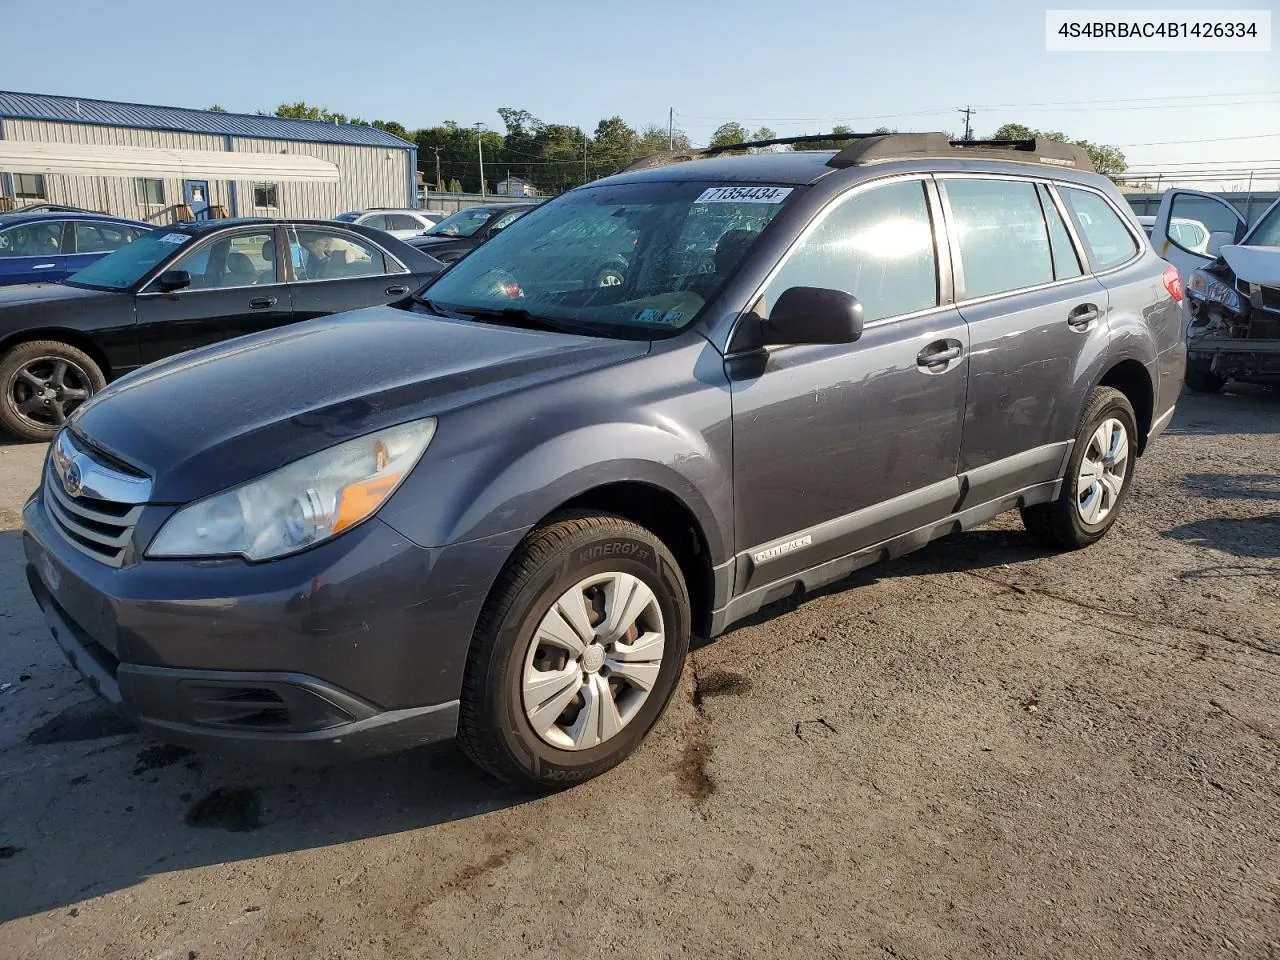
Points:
x=968, y=128
x=480, y=150
x=671, y=128
x=584, y=158
x=439, y=182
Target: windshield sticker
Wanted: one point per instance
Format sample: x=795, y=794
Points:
x=672, y=317
x=744, y=195
x=175, y=238
x=647, y=315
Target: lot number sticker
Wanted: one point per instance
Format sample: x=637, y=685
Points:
x=743, y=195
x=175, y=238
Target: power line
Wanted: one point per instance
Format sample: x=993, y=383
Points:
x=1178, y=143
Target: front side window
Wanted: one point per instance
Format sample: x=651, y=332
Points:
x=29, y=186
x=1000, y=229
x=327, y=255
x=402, y=221
x=265, y=195
x=876, y=245
x=376, y=220
x=101, y=237
x=149, y=191
x=506, y=220
x=1107, y=241
x=549, y=263
x=243, y=260
x=464, y=223
x=42, y=239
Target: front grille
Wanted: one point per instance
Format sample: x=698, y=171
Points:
x=98, y=519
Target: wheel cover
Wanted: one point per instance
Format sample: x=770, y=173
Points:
x=1102, y=473
x=593, y=661
x=45, y=390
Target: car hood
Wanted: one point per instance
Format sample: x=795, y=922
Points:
x=1254, y=264
x=27, y=293
x=219, y=416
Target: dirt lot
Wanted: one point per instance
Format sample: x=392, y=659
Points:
x=981, y=750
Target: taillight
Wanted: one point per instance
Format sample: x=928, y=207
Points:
x=1173, y=283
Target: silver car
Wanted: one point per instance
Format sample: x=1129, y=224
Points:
x=398, y=223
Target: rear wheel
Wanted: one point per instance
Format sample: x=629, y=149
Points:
x=576, y=654
x=43, y=381
x=1200, y=378
x=1098, y=476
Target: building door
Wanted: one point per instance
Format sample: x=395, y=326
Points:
x=196, y=194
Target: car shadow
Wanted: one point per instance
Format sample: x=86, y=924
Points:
x=89, y=806
x=1243, y=408
x=1254, y=538
x=1233, y=486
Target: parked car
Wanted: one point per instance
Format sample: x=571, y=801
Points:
x=1190, y=234
x=502, y=507
x=458, y=234
x=398, y=223
x=43, y=246
x=178, y=288
x=52, y=208
x=1233, y=287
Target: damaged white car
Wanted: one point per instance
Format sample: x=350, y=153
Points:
x=1232, y=287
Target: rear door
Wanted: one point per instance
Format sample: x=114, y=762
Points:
x=237, y=287
x=1186, y=221
x=1037, y=319
x=334, y=270
x=32, y=252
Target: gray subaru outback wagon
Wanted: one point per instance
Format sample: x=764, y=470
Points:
x=499, y=509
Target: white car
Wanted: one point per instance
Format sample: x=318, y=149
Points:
x=1190, y=234
x=398, y=223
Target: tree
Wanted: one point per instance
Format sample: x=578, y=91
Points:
x=217, y=108
x=1106, y=159
x=455, y=186
x=729, y=133
x=301, y=110
x=393, y=128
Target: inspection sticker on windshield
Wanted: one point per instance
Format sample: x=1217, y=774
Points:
x=743, y=195
x=175, y=238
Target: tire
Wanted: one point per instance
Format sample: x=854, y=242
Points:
x=1076, y=519
x=496, y=726
x=610, y=277
x=1200, y=379
x=68, y=371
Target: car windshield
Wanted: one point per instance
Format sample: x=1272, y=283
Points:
x=636, y=260
x=464, y=223
x=1267, y=232
x=129, y=264
x=349, y=217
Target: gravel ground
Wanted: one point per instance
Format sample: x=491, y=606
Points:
x=980, y=750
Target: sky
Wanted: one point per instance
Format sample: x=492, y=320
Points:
x=797, y=67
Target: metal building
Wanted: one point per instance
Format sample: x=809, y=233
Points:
x=157, y=163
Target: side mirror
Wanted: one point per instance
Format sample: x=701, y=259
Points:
x=813, y=315
x=1217, y=240
x=172, y=280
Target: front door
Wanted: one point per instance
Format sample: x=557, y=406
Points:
x=237, y=287
x=839, y=447
x=196, y=194
x=1186, y=223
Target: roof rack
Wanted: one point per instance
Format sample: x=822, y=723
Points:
x=874, y=147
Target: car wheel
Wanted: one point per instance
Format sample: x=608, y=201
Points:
x=42, y=382
x=1199, y=378
x=1098, y=476
x=610, y=277
x=578, y=649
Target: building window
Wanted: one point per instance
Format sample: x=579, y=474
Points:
x=29, y=186
x=265, y=195
x=149, y=192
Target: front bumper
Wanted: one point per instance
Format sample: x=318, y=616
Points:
x=353, y=648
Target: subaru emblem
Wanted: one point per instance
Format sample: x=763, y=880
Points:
x=72, y=480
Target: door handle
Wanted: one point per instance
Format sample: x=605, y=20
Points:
x=396, y=291
x=1082, y=317
x=261, y=303
x=938, y=354
x=44, y=266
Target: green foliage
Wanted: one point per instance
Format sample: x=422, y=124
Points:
x=393, y=128
x=455, y=185
x=1107, y=159
x=217, y=108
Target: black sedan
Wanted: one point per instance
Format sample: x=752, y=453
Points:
x=178, y=288
x=458, y=234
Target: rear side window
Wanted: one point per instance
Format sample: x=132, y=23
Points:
x=402, y=221
x=1107, y=241
x=1066, y=263
x=876, y=245
x=1000, y=229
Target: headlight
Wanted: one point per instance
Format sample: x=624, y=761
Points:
x=301, y=504
x=1213, y=290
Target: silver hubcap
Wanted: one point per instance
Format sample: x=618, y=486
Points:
x=593, y=661
x=1102, y=471
x=610, y=280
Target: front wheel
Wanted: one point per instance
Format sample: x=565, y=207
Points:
x=1098, y=476
x=43, y=381
x=578, y=649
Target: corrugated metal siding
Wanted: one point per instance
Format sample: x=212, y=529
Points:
x=115, y=195
x=371, y=177
x=38, y=106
